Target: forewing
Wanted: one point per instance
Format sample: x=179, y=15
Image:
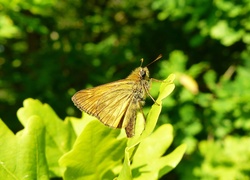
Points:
x=110, y=103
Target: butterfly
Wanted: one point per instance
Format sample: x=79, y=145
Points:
x=116, y=104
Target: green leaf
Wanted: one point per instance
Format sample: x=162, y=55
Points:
x=31, y=151
x=225, y=33
x=150, y=148
x=95, y=153
x=79, y=124
x=8, y=29
x=8, y=155
x=147, y=161
x=23, y=156
x=60, y=135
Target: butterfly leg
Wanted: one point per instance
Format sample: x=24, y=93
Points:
x=147, y=91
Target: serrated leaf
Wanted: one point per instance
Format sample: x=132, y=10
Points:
x=152, y=147
x=60, y=135
x=79, y=124
x=147, y=161
x=23, y=156
x=8, y=155
x=31, y=160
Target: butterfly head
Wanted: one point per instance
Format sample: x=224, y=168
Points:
x=140, y=73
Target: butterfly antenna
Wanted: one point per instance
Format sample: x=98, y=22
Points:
x=141, y=61
x=156, y=59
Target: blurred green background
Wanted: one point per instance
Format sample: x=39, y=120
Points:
x=50, y=49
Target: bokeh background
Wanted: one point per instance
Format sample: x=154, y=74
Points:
x=49, y=49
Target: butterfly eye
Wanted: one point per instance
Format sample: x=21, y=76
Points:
x=143, y=73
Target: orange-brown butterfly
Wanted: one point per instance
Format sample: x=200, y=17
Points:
x=116, y=104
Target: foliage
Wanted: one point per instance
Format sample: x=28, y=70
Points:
x=50, y=49
x=218, y=116
x=49, y=147
x=225, y=156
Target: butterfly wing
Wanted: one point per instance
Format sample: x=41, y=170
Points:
x=113, y=104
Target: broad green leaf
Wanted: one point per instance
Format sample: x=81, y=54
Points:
x=23, y=156
x=31, y=159
x=95, y=153
x=8, y=154
x=147, y=161
x=152, y=148
x=60, y=135
x=79, y=124
x=170, y=161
